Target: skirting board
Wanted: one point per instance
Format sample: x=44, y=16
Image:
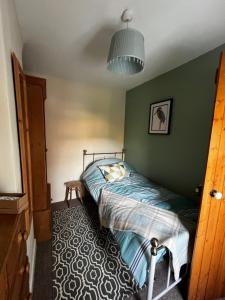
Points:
x=32, y=266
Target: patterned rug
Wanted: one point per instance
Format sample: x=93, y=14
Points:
x=87, y=264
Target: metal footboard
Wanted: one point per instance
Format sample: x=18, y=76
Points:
x=155, y=248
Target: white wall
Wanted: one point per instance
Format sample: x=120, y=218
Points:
x=10, y=175
x=10, y=41
x=79, y=116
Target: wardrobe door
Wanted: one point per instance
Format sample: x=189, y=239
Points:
x=24, y=132
x=36, y=94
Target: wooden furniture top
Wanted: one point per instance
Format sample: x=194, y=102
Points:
x=13, y=203
x=37, y=81
x=8, y=226
x=73, y=183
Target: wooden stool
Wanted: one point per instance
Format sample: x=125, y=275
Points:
x=77, y=187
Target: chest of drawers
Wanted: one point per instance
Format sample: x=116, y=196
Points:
x=14, y=266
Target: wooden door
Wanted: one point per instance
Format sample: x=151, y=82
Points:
x=36, y=95
x=208, y=265
x=23, y=128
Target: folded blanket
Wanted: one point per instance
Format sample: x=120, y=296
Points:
x=175, y=232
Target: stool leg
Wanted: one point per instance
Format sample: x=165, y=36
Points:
x=71, y=196
x=66, y=195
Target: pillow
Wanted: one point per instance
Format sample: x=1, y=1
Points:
x=113, y=172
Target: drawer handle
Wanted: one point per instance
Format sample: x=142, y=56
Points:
x=27, y=269
x=25, y=235
x=21, y=270
x=20, y=237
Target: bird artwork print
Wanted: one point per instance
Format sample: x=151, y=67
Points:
x=161, y=116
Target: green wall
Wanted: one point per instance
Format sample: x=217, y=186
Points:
x=176, y=161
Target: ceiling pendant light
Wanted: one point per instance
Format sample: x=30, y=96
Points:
x=126, y=53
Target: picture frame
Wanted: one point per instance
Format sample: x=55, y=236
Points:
x=160, y=117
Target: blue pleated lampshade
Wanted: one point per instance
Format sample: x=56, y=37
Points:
x=126, y=53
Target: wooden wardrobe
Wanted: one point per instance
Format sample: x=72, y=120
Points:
x=30, y=95
x=36, y=96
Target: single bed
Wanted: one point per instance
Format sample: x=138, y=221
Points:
x=135, y=249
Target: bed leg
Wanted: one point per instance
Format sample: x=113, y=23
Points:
x=168, y=272
x=154, y=244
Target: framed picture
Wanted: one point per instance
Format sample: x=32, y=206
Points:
x=159, y=117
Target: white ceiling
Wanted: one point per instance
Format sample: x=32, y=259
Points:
x=70, y=38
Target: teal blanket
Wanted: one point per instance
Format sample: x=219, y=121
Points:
x=135, y=248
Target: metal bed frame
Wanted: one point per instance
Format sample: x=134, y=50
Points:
x=94, y=154
x=155, y=247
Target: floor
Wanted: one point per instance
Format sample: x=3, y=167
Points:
x=43, y=276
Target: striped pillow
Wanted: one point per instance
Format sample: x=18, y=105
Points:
x=113, y=172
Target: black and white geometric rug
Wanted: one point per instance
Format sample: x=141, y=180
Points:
x=87, y=264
